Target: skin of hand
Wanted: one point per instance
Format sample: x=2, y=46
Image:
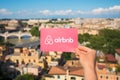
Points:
x=87, y=58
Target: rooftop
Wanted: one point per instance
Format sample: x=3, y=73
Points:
x=57, y=70
x=78, y=71
x=118, y=51
x=110, y=58
x=100, y=66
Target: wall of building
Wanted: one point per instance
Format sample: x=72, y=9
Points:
x=64, y=77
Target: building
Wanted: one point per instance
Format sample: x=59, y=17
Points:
x=12, y=25
x=109, y=76
x=72, y=63
x=53, y=63
x=26, y=56
x=55, y=55
x=77, y=21
x=52, y=58
x=106, y=68
x=62, y=73
x=117, y=55
x=33, y=22
x=107, y=72
x=2, y=28
x=31, y=69
x=110, y=58
x=2, y=49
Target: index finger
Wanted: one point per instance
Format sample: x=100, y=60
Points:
x=83, y=48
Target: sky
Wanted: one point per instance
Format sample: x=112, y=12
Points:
x=23, y=9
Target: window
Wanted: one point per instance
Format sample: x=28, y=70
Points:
x=72, y=63
x=17, y=61
x=117, y=78
x=29, y=61
x=22, y=62
x=82, y=79
x=73, y=78
x=106, y=77
x=29, y=54
x=46, y=58
x=34, y=61
x=58, y=76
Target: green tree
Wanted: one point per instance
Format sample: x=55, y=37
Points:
x=84, y=37
x=97, y=42
x=80, y=38
x=1, y=39
x=117, y=69
x=35, y=31
x=3, y=75
x=107, y=40
x=110, y=34
x=116, y=43
x=112, y=39
x=8, y=44
x=25, y=77
x=68, y=56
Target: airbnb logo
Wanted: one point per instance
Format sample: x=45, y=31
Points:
x=49, y=40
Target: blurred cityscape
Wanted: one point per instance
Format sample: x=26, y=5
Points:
x=20, y=53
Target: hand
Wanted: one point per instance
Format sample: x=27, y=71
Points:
x=87, y=58
x=86, y=55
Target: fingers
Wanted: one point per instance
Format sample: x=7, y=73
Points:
x=79, y=52
x=77, y=56
x=83, y=48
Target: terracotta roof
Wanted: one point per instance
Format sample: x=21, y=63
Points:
x=45, y=53
x=101, y=66
x=118, y=51
x=110, y=58
x=78, y=71
x=57, y=70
